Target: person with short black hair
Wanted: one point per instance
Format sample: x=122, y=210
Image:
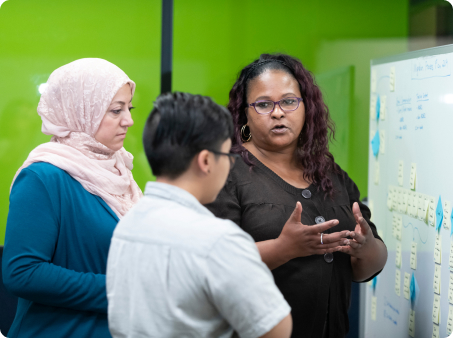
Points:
x=174, y=269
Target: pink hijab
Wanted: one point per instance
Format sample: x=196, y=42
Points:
x=72, y=108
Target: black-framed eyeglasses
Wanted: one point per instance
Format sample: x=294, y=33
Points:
x=266, y=107
x=232, y=157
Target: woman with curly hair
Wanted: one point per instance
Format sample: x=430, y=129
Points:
x=282, y=130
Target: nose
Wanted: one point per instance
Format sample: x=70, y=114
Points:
x=277, y=113
x=127, y=120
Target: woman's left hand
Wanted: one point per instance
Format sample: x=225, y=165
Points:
x=363, y=242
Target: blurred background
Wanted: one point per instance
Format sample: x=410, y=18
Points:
x=212, y=42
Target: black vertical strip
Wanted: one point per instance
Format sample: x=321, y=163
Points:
x=167, y=46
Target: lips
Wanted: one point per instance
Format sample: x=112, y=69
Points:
x=279, y=129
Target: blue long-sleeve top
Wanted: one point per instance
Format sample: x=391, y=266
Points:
x=55, y=255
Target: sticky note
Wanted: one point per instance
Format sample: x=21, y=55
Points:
x=395, y=199
x=414, y=289
x=414, y=256
x=446, y=223
x=398, y=282
x=398, y=226
x=439, y=214
x=436, y=309
x=411, y=323
x=375, y=143
x=436, y=283
x=404, y=201
x=382, y=141
x=400, y=173
x=432, y=211
x=407, y=285
x=450, y=289
x=376, y=172
x=438, y=248
x=383, y=107
x=435, y=331
x=373, y=80
x=374, y=283
x=378, y=108
x=426, y=208
x=413, y=176
x=390, y=198
x=450, y=263
x=373, y=307
x=412, y=208
x=392, y=79
x=420, y=205
x=450, y=320
x=398, y=253
x=373, y=107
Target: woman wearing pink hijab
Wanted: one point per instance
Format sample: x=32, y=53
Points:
x=66, y=200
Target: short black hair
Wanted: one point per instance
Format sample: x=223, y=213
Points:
x=180, y=126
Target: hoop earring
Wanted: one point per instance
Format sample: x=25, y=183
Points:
x=245, y=138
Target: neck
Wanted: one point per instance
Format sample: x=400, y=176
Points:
x=189, y=184
x=284, y=157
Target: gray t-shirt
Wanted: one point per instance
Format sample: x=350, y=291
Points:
x=175, y=270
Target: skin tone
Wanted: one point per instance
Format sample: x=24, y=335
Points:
x=274, y=143
x=113, y=128
x=204, y=179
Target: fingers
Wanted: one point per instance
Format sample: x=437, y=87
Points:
x=359, y=218
x=335, y=237
x=318, y=228
x=295, y=216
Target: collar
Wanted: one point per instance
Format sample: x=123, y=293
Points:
x=177, y=195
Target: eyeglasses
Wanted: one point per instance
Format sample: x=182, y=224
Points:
x=232, y=157
x=266, y=106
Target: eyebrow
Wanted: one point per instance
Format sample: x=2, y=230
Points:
x=121, y=102
x=268, y=97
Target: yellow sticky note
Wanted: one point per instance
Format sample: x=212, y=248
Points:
x=420, y=205
x=390, y=197
x=400, y=173
x=413, y=176
x=373, y=80
x=438, y=248
x=383, y=108
x=450, y=320
x=436, y=284
x=392, y=79
x=373, y=307
x=450, y=263
x=450, y=289
x=398, y=254
x=373, y=101
x=395, y=200
x=435, y=331
x=382, y=141
x=404, y=201
x=398, y=282
x=406, y=286
x=426, y=208
x=446, y=222
x=436, y=309
x=432, y=211
x=413, y=208
x=414, y=256
x=376, y=172
x=411, y=323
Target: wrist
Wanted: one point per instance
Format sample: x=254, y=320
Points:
x=282, y=250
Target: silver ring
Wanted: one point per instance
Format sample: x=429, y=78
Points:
x=321, y=239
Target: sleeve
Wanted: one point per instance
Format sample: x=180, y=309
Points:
x=30, y=242
x=242, y=287
x=226, y=205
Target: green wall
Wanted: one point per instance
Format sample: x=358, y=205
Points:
x=213, y=40
x=36, y=37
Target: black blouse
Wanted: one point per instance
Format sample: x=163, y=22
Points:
x=261, y=202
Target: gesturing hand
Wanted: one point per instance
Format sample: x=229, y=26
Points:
x=363, y=241
x=299, y=240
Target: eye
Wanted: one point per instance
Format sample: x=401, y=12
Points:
x=288, y=101
x=263, y=104
x=130, y=108
x=116, y=111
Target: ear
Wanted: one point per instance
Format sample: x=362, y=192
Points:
x=204, y=162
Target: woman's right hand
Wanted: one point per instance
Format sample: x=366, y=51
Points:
x=299, y=240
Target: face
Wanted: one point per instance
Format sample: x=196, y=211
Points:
x=218, y=172
x=277, y=130
x=113, y=128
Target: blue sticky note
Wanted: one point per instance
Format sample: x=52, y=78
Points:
x=373, y=283
x=375, y=143
x=414, y=289
x=439, y=214
x=378, y=108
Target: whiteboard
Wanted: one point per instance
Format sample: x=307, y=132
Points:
x=411, y=109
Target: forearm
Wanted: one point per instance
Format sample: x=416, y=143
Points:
x=273, y=253
x=372, y=262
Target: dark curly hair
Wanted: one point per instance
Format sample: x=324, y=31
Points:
x=312, y=149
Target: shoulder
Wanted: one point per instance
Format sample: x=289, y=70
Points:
x=46, y=171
